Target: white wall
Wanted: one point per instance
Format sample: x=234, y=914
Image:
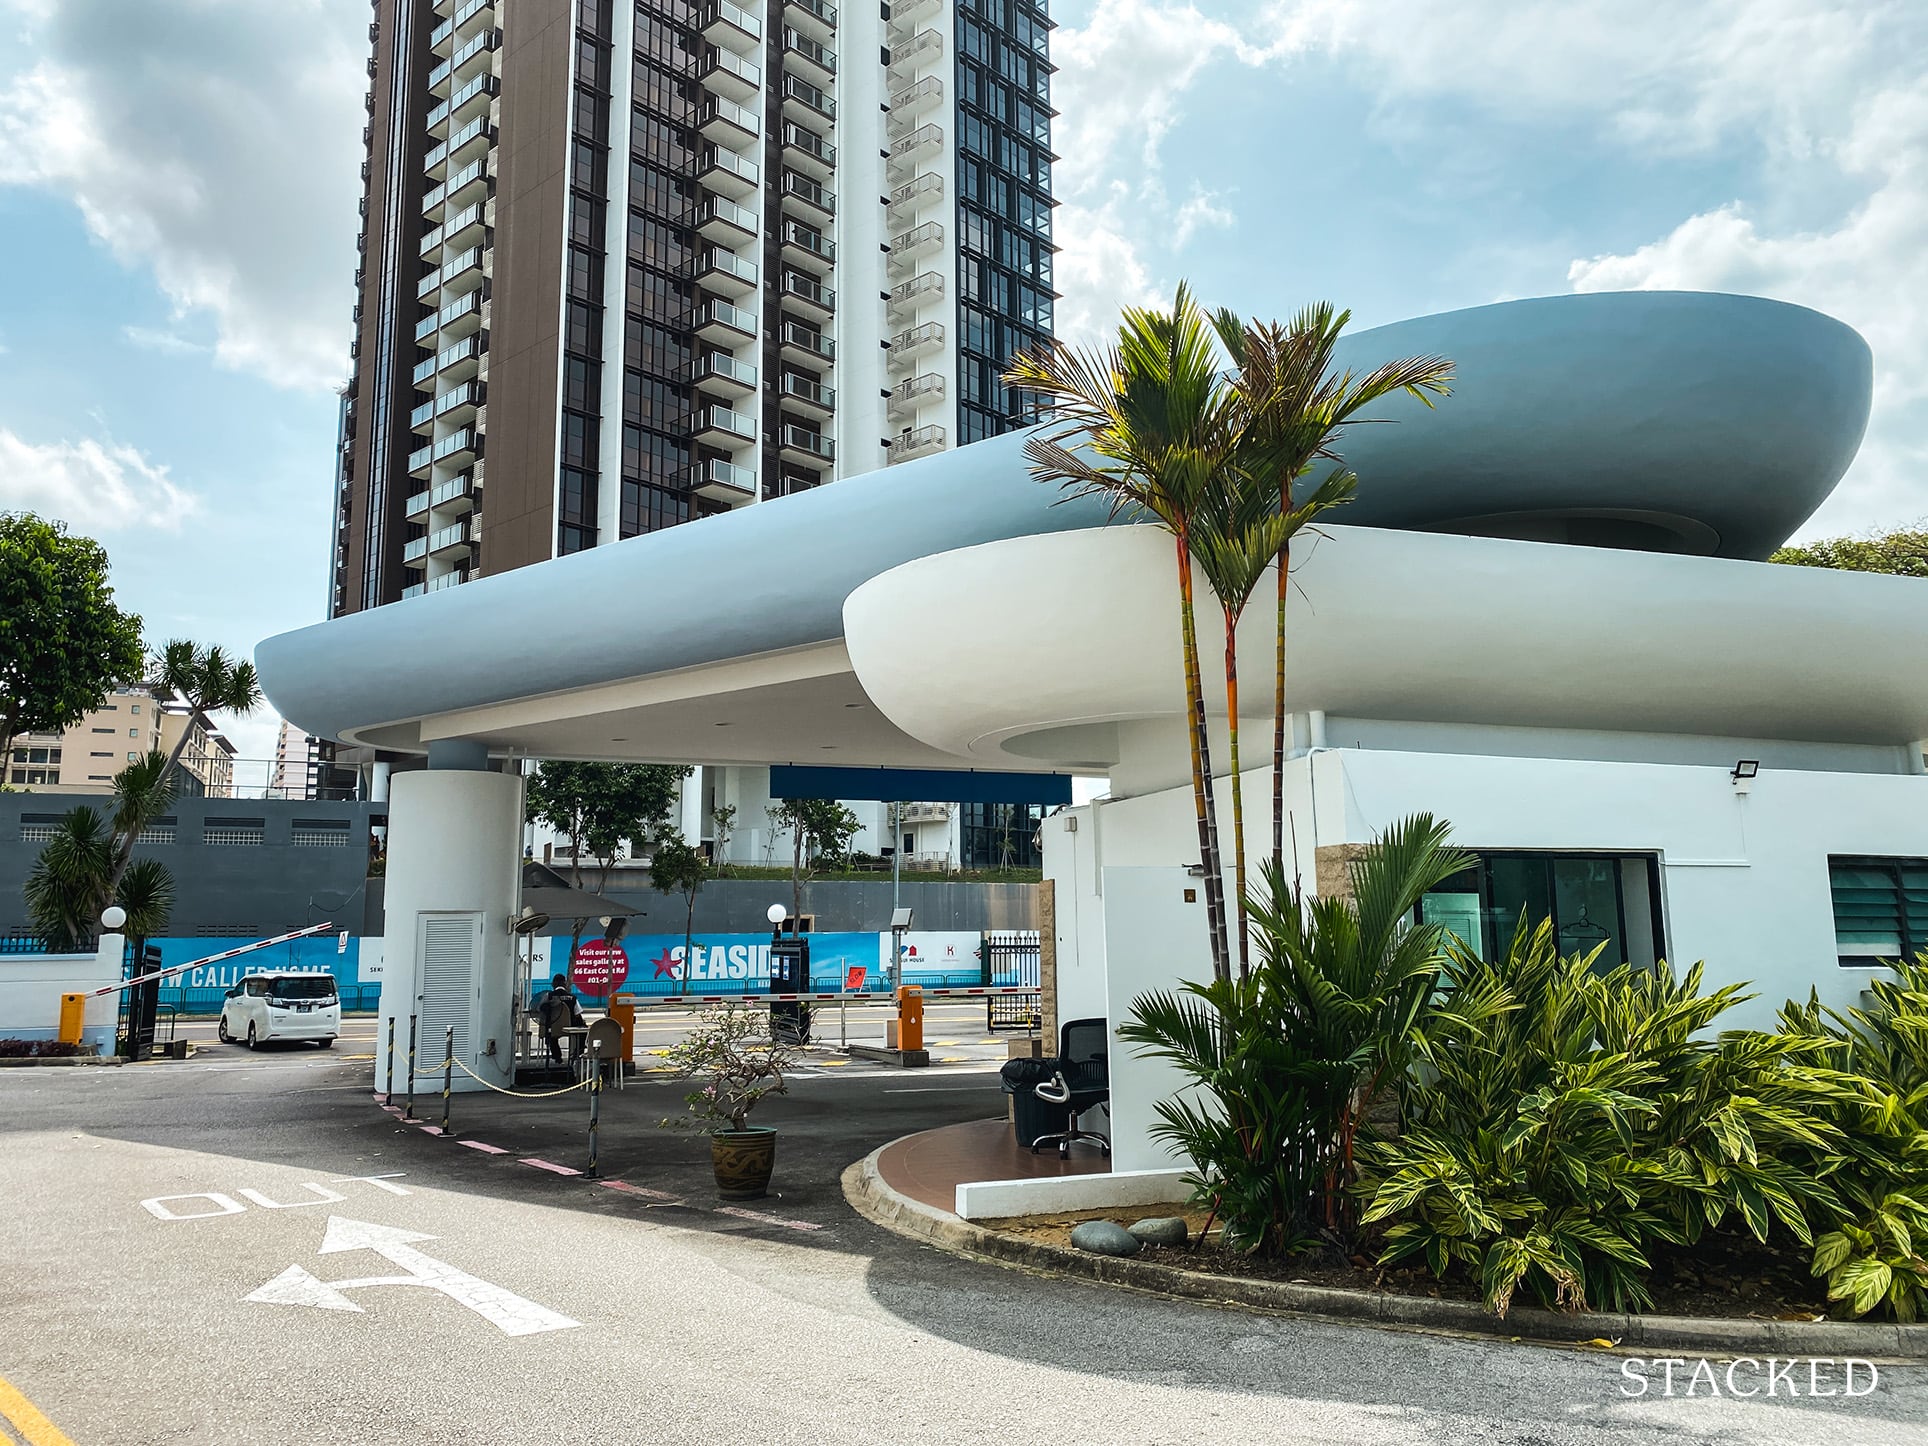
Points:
x=1159, y=938
x=454, y=847
x=31, y=986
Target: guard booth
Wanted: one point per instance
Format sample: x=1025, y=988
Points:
x=790, y=974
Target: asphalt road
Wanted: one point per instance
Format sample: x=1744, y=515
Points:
x=487, y=1300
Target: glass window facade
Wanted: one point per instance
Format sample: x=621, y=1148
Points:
x=1880, y=909
x=580, y=484
x=999, y=835
x=1004, y=203
x=1609, y=901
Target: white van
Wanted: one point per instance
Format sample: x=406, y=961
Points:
x=264, y=1007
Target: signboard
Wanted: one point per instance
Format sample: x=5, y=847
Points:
x=599, y=967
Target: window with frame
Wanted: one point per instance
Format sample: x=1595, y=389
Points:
x=1880, y=909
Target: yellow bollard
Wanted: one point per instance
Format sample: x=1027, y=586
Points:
x=73, y=1009
x=910, y=1017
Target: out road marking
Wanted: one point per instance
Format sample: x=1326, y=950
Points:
x=25, y=1418
x=503, y=1309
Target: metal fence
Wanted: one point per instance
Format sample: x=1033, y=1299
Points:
x=1013, y=959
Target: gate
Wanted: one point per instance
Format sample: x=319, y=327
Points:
x=1012, y=959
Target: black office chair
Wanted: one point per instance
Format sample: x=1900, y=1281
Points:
x=1080, y=1080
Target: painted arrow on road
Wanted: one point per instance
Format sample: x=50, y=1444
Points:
x=503, y=1309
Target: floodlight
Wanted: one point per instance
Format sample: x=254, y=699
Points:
x=900, y=918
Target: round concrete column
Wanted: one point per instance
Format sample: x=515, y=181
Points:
x=454, y=880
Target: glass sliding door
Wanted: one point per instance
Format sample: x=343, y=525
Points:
x=1606, y=901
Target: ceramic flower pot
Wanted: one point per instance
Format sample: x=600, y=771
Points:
x=743, y=1160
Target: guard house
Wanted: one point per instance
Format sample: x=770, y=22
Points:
x=1547, y=618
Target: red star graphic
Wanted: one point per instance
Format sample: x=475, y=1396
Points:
x=666, y=965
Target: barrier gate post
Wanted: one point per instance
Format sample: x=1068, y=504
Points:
x=388, y=1097
x=409, y=1112
x=448, y=1079
x=595, y=1109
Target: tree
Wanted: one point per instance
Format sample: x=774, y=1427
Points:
x=1299, y=405
x=598, y=805
x=78, y=873
x=724, y=817
x=1903, y=553
x=1158, y=425
x=820, y=830
x=64, y=645
x=677, y=866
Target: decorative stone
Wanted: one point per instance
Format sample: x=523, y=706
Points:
x=1102, y=1237
x=1163, y=1230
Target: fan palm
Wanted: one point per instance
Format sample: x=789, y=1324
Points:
x=1158, y=425
x=1298, y=406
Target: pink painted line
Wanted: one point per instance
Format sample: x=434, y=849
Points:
x=430, y=1129
x=485, y=1149
x=643, y=1190
x=546, y=1165
x=762, y=1219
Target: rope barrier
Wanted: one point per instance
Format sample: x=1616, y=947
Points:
x=521, y=1094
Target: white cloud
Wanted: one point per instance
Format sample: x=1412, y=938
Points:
x=169, y=342
x=213, y=142
x=93, y=486
x=1098, y=270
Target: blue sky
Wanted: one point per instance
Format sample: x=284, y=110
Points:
x=178, y=186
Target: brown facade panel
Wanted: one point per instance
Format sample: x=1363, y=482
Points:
x=531, y=198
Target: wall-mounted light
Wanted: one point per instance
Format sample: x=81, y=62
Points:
x=1743, y=773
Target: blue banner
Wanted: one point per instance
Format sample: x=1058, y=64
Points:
x=740, y=964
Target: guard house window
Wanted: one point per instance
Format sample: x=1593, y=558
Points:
x=1608, y=900
x=1880, y=909
x=243, y=832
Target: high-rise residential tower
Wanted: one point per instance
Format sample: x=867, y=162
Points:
x=629, y=263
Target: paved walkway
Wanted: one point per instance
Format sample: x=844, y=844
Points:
x=930, y=1165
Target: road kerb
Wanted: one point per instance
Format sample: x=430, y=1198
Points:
x=874, y=1199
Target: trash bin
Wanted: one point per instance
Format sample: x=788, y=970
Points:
x=1031, y=1117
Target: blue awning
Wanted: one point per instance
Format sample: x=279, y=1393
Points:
x=919, y=785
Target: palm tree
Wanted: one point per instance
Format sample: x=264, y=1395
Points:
x=1299, y=405
x=75, y=877
x=206, y=680
x=1236, y=536
x=1159, y=425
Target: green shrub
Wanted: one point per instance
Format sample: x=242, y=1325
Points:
x=37, y=1049
x=1284, y=1066
x=1562, y=1120
x=1876, y=1253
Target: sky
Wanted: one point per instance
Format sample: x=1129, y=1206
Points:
x=179, y=179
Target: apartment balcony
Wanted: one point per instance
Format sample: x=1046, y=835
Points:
x=920, y=49
x=920, y=241
x=452, y=542
x=463, y=228
x=920, y=144
x=462, y=272
x=722, y=120
x=724, y=324
x=471, y=56
x=720, y=426
x=722, y=481
x=802, y=196
x=916, y=442
x=800, y=444
x=460, y=402
x=728, y=74
x=469, y=13
x=907, y=200
x=806, y=246
x=415, y=554
x=453, y=578
x=913, y=100
x=457, y=494
x=458, y=448
x=727, y=273
x=813, y=17
x=721, y=372
x=808, y=57
x=453, y=363
x=802, y=343
x=916, y=341
x=805, y=102
x=808, y=151
x=913, y=392
x=470, y=183
x=416, y=508
x=468, y=141
x=726, y=172
x=457, y=319
x=808, y=392
x=721, y=219
x=468, y=100
x=730, y=27
x=907, y=296
x=924, y=813
x=809, y=293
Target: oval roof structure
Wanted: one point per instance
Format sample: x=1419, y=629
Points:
x=1662, y=421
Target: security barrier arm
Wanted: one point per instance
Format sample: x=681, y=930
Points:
x=214, y=958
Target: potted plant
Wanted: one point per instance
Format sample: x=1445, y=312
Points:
x=731, y=1051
